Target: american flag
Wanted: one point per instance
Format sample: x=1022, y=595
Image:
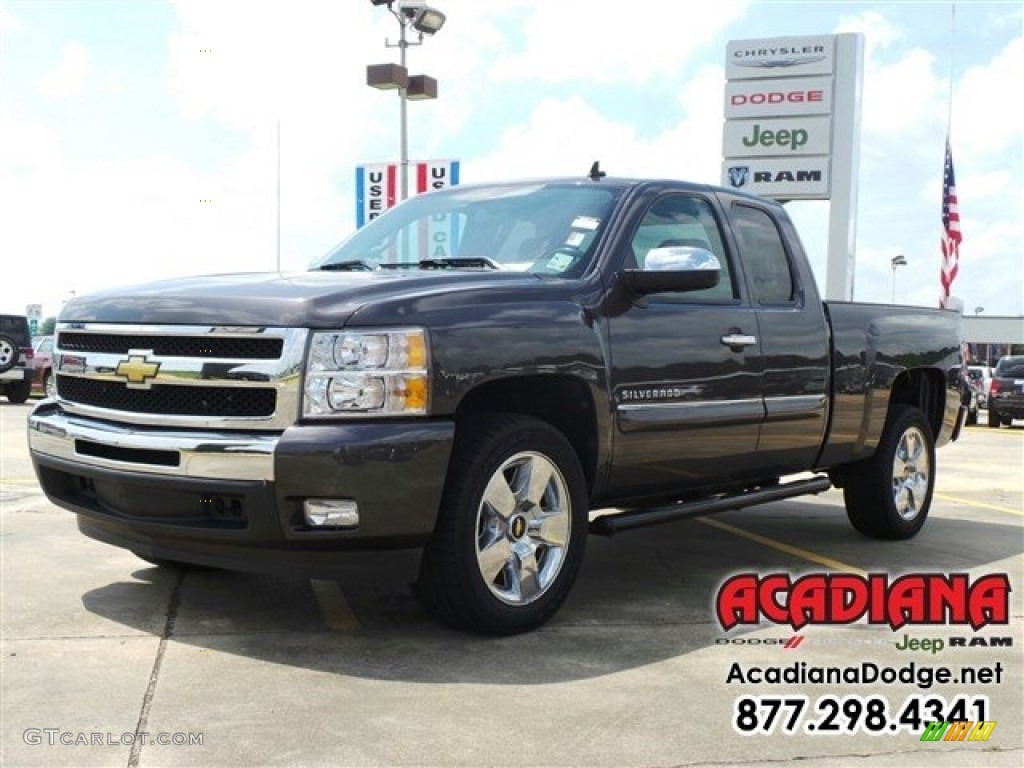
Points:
x=951, y=236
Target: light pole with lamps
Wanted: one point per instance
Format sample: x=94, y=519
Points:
x=426, y=21
x=897, y=261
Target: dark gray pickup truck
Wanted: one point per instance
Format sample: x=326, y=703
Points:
x=478, y=369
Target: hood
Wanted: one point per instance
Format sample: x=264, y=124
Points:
x=303, y=299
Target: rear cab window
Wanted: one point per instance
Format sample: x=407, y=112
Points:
x=765, y=260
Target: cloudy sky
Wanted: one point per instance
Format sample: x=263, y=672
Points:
x=139, y=137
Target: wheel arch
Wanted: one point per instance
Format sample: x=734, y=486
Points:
x=924, y=389
x=563, y=401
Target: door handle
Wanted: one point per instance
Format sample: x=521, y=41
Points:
x=739, y=340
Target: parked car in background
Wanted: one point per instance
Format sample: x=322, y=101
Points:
x=15, y=358
x=981, y=379
x=42, y=381
x=1006, y=392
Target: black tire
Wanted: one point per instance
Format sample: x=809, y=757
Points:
x=993, y=417
x=10, y=353
x=972, y=416
x=18, y=391
x=493, y=457
x=874, y=495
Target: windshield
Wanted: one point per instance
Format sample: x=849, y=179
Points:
x=544, y=228
x=1010, y=368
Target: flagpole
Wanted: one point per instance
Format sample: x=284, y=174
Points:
x=951, y=235
x=952, y=56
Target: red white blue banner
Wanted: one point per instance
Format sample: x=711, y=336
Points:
x=436, y=174
x=376, y=190
x=377, y=186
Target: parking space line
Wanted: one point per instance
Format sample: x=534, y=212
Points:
x=336, y=611
x=979, y=504
x=781, y=546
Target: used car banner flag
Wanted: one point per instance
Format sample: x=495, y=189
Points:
x=376, y=190
x=378, y=185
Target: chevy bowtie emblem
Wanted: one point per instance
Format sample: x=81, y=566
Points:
x=137, y=370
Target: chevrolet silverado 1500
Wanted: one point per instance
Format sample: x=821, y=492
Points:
x=475, y=371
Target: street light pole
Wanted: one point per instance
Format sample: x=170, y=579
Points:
x=425, y=20
x=897, y=261
x=403, y=95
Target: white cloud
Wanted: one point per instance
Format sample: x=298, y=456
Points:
x=986, y=120
x=67, y=80
x=605, y=43
x=9, y=22
x=563, y=137
x=653, y=112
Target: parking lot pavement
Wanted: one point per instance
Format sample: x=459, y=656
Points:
x=632, y=671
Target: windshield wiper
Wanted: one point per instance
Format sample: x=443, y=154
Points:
x=353, y=265
x=461, y=261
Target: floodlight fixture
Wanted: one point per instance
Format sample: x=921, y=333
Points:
x=428, y=21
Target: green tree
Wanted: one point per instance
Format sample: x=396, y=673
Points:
x=47, y=326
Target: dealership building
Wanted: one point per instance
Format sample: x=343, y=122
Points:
x=989, y=338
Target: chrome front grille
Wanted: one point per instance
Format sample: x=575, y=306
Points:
x=187, y=376
x=164, y=398
x=227, y=347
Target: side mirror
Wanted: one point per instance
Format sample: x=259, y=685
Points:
x=675, y=268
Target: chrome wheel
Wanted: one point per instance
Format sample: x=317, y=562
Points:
x=523, y=525
x=910, y=473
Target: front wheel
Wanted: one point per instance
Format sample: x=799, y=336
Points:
x=18, y=391
x=512, y=528
x=888, y=496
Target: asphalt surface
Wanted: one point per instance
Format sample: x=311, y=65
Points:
x=100, y=647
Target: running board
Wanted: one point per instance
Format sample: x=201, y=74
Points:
x=609, y=525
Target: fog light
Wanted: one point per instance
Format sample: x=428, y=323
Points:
x=331, y=513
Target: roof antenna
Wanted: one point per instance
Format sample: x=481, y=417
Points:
x=596, y=174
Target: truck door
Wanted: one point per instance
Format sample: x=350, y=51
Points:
x=794, y=344
x=686, y=367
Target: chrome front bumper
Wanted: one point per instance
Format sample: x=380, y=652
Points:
x=177, y=453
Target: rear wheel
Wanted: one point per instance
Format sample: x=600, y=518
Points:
x=512, y=528
x=888, y=496
x=993, y=417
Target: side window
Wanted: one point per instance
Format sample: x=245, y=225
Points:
x=764, y=255
x=685, y=220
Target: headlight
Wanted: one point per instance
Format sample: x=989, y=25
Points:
x=367, y=373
